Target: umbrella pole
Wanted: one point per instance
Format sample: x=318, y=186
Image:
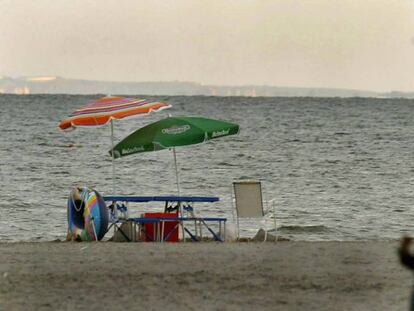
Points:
x=113, y=157
x=180, y=208
x=176, y=171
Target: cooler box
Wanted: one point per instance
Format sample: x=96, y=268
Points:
x=168, y=227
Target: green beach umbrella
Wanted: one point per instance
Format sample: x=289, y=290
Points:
x=173, y=132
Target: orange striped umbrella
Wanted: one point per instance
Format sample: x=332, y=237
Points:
x=103, y=110
x=106, y=109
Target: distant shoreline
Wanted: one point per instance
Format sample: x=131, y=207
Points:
x=207, y=96
x=58, y=85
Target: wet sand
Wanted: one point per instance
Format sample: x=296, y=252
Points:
x=203, y=276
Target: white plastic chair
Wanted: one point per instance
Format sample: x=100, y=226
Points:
x=249, y=202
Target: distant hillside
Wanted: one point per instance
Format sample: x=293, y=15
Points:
x=57, y=85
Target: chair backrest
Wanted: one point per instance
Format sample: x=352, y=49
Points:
x=249, y=201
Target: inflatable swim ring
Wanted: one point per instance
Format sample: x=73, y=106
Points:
x=87, y=215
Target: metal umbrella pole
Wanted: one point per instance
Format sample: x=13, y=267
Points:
x=180, y=208
x=113, y=157
x=115, y=211
x=177, y=178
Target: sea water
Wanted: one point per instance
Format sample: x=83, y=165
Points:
x=335, y=169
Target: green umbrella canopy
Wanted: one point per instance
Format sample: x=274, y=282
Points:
x=173, y=132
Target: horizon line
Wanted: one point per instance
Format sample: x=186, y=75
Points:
x=49, y=78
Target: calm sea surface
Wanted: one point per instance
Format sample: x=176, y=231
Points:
x=337, y=169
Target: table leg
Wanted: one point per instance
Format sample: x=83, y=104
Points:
x=158, y=232
x=180, y=214
x=162, y=230
x=220, y=234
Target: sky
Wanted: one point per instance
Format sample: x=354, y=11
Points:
x=367, y=45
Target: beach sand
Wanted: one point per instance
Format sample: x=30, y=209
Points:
x=203, y=276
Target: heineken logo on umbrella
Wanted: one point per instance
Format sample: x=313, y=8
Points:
x=220, y=133
x=126, y=151
x=174, y=130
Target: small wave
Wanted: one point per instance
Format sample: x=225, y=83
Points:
x=60, y=173
x=304, y=229
x=333, y=161
x=399, y=210
x=11, y=225
x=226, y=164
x=68, y=145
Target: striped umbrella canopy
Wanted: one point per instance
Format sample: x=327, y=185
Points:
x=106, y=109
x=103, y=110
